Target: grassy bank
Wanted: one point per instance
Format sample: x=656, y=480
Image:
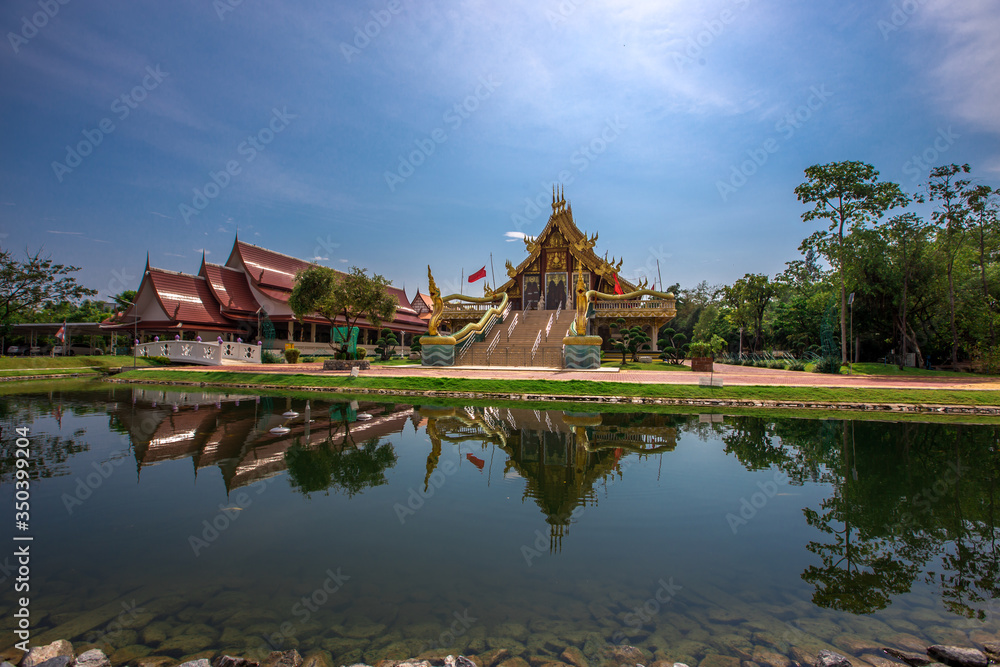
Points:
x=26, y=366
x=583, y=388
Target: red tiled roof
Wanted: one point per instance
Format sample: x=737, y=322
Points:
x=186, y=298
x=269, y=268
x=230, y=288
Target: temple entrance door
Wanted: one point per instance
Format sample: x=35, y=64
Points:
x=555, y=290
x=532, y=290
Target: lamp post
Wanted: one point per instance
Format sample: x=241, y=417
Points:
x=135, y=322
x=850, y=359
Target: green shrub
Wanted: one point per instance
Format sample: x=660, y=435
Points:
x=269, y=357
x=779, y=365
x=360, y=353
x=160, y=361
x=796, y=365
x=827, y=365
x=292, y=355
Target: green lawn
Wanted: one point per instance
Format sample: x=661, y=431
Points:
x=580, y=388
x=867, y=368
x=17, y=366
x=636, y=366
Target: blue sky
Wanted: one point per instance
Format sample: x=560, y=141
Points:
x=396, y=134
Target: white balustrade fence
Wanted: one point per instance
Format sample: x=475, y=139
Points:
x=197, y=352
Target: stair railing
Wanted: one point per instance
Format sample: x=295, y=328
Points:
x=534, y=348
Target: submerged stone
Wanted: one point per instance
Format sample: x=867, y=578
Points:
x=956, y=656
x=912, y=659
x=92, y=658
x=60, y=649
x=831, y=659
x=574, y=656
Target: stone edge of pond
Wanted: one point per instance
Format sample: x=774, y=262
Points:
x=901, y=408
x=60, y=654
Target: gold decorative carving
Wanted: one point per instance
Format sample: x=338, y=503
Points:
x=555, y=239
x=533, y=267
x=437, y=305
x=530, y=244
x=511, y=270
x=585, y=243
x=555, y=262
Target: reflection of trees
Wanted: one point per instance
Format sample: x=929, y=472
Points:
x=907, y=498
x=49, y=453
x=345, y=468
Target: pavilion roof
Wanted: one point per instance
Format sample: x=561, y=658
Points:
x=185, y=298
x=229, y=287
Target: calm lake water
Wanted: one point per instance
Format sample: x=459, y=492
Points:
x=177, y=524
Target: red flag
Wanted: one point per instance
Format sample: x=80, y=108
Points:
x=618, y=287
x=476, y=461
x=478, y=275
x=61, y=334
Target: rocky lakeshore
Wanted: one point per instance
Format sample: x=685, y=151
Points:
x=61, y=654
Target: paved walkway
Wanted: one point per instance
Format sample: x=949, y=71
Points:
x=730, y=376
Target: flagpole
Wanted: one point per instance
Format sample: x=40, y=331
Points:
x=658, y=273
x=461, y=285
x=492, y=272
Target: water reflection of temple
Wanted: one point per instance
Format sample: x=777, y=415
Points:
x=233, y=432
x=562, y=456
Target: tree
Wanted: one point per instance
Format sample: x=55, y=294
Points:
x=350, y=297
x=386, y=345
x=946, y=186
x=907, y=235
x=632, y=339
x=672, y=345
x=748, y=297
x=983, y=204
x=26, y=285
x=848, y=195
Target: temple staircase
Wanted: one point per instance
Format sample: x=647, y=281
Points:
x=521, y=340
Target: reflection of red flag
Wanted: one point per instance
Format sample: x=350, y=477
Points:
x=618, y=287
x=478, y=462
x=478, y=275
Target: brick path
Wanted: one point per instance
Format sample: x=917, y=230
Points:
x=730, y=375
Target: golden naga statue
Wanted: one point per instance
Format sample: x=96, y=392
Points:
x=437, y=305
x=530, y=244
x=585, y=243
x=511, y=270
x=579, y=326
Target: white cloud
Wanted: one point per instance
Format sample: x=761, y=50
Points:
x=514, y=236
x=967, y=66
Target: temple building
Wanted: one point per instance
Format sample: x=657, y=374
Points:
x=543, y=289
x=247, y=297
